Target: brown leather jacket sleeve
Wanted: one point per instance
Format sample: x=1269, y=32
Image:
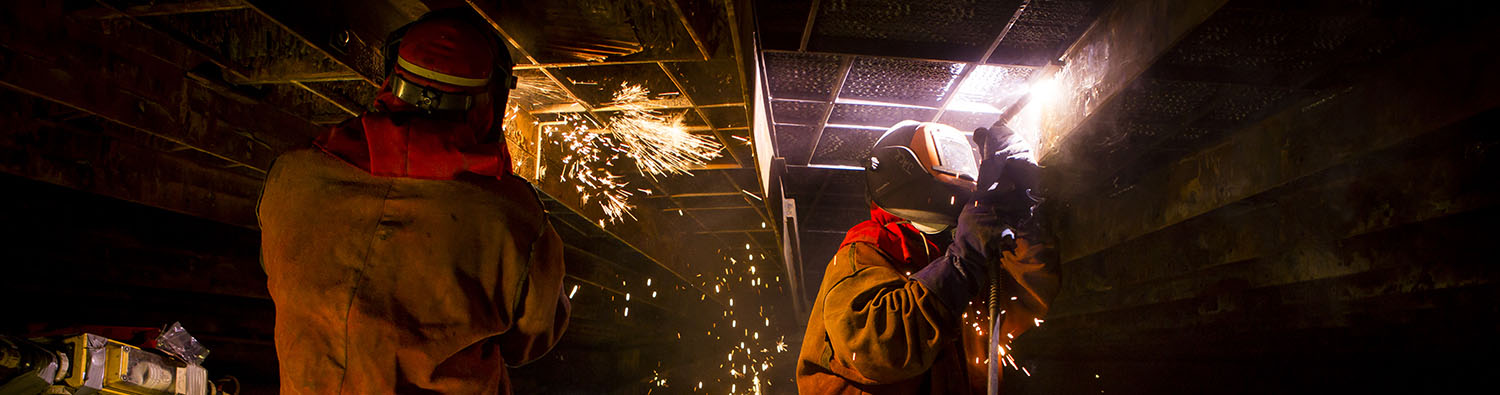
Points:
x=1032, y=281
x=885, y=326
x=541, y=307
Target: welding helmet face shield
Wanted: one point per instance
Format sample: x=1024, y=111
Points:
x=922, y=172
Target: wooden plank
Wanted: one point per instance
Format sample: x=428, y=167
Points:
x=1112, y=54
x=1443, y=174
x=1412, y=96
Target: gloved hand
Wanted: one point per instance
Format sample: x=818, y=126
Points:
x=979, y=239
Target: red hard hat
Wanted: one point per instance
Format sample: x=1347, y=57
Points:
x=448, y=54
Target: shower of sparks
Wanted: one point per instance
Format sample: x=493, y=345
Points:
x=537, y=90
x=748, y=356
x=657, y=141
x=586, y=156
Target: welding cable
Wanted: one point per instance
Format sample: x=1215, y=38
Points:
x=993, y=386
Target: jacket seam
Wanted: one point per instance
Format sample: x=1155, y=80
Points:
x=354, y=288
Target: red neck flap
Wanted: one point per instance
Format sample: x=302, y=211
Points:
x=397, y=141
x=895, y=237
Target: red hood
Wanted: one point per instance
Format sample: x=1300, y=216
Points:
x=895, y=237
x=396, y=141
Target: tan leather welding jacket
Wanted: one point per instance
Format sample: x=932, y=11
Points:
x=874, y=330
x=389, y=284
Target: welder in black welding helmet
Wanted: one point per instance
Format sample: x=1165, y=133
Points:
x=923, y=172
x=921, y=179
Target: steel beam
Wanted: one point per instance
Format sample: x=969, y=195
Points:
x=1288, y=234
x=1109, y=56
x=189, y=7
x=1411, y=96
x=846, y=63
x=357, y=49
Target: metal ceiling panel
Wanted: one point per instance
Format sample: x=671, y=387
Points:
x=1263, y=44
x=1241, y=103
x=726, y=117
x=745, y=178
x=801, y=75
x=248, y=41
x=708, y=201
x=691, y=118
x=715, y=82
x=598, y=30
x=767, y=240
x=679, y=220
x=303, y=104
x=358, y=92
x=794, y=142
x=798, y=112
x=535, y=91
x=934, y=29
x=1044, y=30
x=597, y=85
x=802, y=183
x=992, y=86
x=879, y=117
x=737, y=146
x=780, y=23
x=725, y=156
x=728, y=219
x=945, y=22
x=844, y=146
x=701, y=181
x=903, y=81
x=967, y=121
x=1155, y=100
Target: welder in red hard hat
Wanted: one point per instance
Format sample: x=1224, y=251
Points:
x=896, y=313
x=402, y=254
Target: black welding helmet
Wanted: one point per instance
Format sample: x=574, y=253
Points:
x=922, y=172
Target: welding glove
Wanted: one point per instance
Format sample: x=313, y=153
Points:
x=979, y=239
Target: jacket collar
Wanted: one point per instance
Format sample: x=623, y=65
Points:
x=895, y=237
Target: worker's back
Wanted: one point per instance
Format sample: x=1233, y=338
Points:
x=385, y=283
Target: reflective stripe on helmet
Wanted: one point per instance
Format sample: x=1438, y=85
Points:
x=439, y=76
